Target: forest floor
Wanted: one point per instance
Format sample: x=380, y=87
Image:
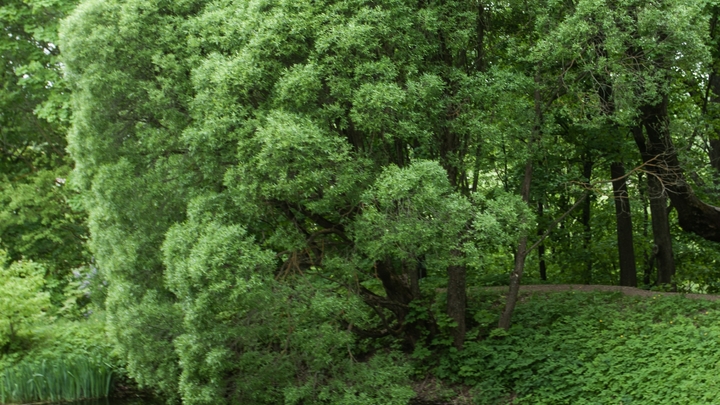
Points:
x=605, y=288
x=433, y=391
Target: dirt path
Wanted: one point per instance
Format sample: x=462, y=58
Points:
x=609, y=288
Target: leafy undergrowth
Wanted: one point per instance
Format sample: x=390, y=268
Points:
x=588, y=348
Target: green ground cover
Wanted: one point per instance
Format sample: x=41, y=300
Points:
x=588, y=348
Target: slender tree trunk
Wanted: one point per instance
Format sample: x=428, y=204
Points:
x=587, y=230
x=522, y=250
x=649, y=259
x=541, y=247
x=456, y=300
x=516, y=276
x=626, y=250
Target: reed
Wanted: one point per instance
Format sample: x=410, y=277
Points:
x=55, y=380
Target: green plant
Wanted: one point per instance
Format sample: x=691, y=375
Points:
x=22, y=301
x=594, y=348
x=56, y=380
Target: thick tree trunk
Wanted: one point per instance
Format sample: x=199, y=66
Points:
x=626, y=250
x=665, y=178
x=401, y=287
x=456, y=301
x=661, y=159
x=662, y=250
x=516, y=276
x=398, y=295
x=713, y=95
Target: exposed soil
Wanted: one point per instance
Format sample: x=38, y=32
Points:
x=607, y=288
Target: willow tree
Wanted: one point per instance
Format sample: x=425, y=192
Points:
x=254, y=170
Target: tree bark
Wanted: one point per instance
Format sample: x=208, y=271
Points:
x=456, y=300
x=712, y=94
x=714, y=141
x=398, y=289
x=541, y=247
x=623, y=218
x=587, y=230
x=648, y=258
x=516, y=276
x=662, y=250
x=661, y=159
x=665, y=178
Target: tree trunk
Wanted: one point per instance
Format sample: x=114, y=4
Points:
x=506, y=317
x=541, y=247
x=712, y=94
x=587, y=230
x=665, y=178
x=626, y=250
x=413, y=270
x=661, y=159
x=398, y=295
x=456, y=301
x=648, y=258
x=662, y=250
x=714, y=141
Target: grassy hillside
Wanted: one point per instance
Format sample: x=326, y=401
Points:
x=584, y=348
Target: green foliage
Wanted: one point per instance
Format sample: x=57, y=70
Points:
x=382, y=379
x=588, y=348
x=37, y=218
x=22, y=300
x=55, y=381
x=411, y=212
x=229, y=152
x=61, y=360
x=246, y=165
x=251, y=339
x=143, y=332
x=38, y=222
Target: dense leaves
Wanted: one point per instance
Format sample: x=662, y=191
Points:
x=277, y=188
x=23, y=302
x=570, y=348
x=38, y=213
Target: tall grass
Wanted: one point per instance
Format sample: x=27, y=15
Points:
x=55, y=381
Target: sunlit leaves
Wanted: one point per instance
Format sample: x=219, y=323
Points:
x=22, y=299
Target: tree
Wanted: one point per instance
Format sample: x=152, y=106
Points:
x=245, y=163
x=622, y=65
x=22, y=301
x=39, y=218
x=339, y=136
